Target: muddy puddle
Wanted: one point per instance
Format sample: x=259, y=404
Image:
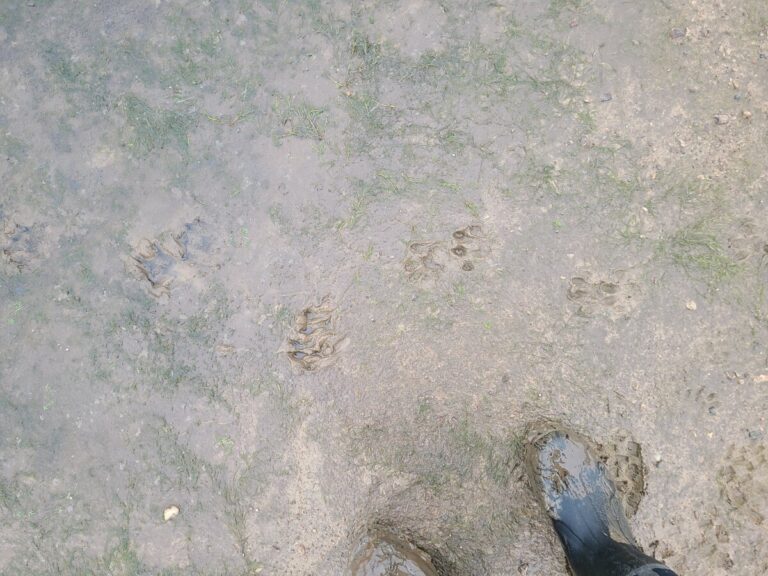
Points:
x=276, y=273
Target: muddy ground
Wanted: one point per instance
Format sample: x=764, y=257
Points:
x=300, y=268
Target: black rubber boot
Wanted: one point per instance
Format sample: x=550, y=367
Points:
x=385, y=555
x=585, y=508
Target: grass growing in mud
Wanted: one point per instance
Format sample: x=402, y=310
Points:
x=151, y=129
x=452, y=453
x=385, y=184
x=177, y=456
x=557, y=7
x=78, y=81
x=11, y=147
x=282, y=396
x=366, y=111
x=698, y=251
x=9, y=500
x=297, y=117
x=238, y=491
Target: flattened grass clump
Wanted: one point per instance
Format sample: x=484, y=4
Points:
x=62, y=65
x=152, y=129
x=457, y=454
x=12, y=148
x=84, y=86
x=299, y=118
x=698, y=251
x=556, y=7
x=471, y=66
x=9, y=499
x=122, y=560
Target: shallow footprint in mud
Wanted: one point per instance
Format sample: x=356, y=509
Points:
x=623, y=458
x=613, y=298
x=314, y=342
x=743, y=482
x=168, y=260
x=731, y=528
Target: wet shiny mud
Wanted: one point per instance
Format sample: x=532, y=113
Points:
x=384, y=555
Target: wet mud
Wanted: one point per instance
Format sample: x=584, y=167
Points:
x=314, y=342
x=615, y=298
x=174, y=257
x=383, y=555
x=429, y=262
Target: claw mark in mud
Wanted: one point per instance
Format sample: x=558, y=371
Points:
x=168, y=260
x=155, y=262
x=623, y=458
x=743, y=482
x=429, y=260
x=314, y=342
x=615, y=299
x=21, y=246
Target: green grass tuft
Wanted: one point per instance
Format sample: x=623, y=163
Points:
x=557, y=7
x=151, y=129
x=299, y=118
x=698, y=251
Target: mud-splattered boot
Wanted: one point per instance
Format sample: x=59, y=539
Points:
x=384, y=555
x=585, y=508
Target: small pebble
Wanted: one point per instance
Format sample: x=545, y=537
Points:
x=691, y=305
x=722, y=119
x=676, y=33
x=746, y=114
x=170, y=513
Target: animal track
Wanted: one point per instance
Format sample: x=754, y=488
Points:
x=425, y=260
x=615, y=299
x=168, y=260
x=429, y=260
x=314, y=342
x=743, y=482
x=705, y=398
x=22, y=246
x=746, y=242
x=731, y=530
